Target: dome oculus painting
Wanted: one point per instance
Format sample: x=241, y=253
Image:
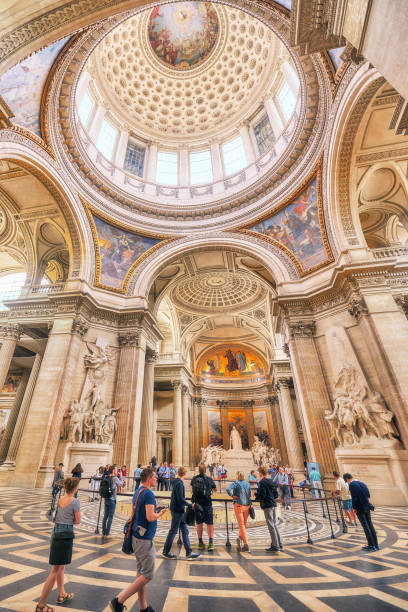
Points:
x=183, y=34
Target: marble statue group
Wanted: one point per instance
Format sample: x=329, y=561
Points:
x=262, y=454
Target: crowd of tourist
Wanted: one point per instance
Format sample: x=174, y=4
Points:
x=266, y=486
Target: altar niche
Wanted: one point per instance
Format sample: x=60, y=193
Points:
x=223, y=423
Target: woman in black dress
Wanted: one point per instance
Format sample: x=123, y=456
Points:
x=77, y=473
x=67, y=515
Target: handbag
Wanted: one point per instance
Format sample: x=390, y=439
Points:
x=127, y=546
x=64, y=534
x=189, y=517
x=252, y=512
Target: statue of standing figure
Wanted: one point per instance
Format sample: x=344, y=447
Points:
x=235, y=439
x=76, y=422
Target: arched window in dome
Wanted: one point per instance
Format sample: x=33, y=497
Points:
x=264, y=135
x=167, y=168
x=85, y=109
x=135, y=159
x=10, y=287
x=106, y=140
x=234, y=156
x=287, y=101
x=200, y=167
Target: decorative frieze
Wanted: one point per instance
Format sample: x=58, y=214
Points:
x=10, y=331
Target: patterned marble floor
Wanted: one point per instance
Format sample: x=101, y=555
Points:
x=331, y=574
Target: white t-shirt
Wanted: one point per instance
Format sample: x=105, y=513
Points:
x=342, y=486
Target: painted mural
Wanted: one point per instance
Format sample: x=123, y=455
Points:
x=335, y=57
x=11, y=384
x=297, y=227
x=231, y=361
x=118, y=250
x=22, y=86
x=183, y=34
x=261, y=425
x=214, y=427
x=238, y=418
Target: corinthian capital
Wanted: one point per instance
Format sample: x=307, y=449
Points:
x=129, y=339
x=177, y=384
x=79, y=326
x=283, y=383
x=302, y=329
x=10, y=331
x=151, y=355
x=357, y=306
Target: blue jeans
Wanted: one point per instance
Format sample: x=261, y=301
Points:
x=177, y=523
x=110, y=507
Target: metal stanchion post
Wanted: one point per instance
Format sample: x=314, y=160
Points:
x=333, y=537
x=309, y=539
x=335, y=507
x=99, y=514
x=324, y=515
x=227, y=543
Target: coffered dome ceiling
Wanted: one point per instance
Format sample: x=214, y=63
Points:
x=185, y=70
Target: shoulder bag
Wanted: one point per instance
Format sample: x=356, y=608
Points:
x=127, y=546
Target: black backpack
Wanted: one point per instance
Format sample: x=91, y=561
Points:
x=105, y=489
x=201, y=488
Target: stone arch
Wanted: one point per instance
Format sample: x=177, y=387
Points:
x=22, y=150
x=276, y=262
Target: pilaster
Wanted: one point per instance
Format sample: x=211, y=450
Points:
x=177, y=424
x=147, y=415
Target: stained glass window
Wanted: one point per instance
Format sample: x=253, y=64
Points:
x=135, y=158
x=263, y=134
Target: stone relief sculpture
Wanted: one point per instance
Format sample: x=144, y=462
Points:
x=212, y=455
x=88, y=419
x=263, y=454
x=358, y=414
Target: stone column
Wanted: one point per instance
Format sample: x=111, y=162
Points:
x=196, y=427
x=291, y=77
x=35, y=457
x=22, y=414
x=277, y=425
x=274, y=117
x=312, y=394
x=82, y=86
x=154, y=432
x=293, y=447
x=9, y=336
x=185, y=425
x=128, y=398
x=177, y=424
x=247, y=142
x=217, y=167
x=184, y=168
x=151, y=164
x=147, y=416
x=8, y=433
x=120, y=153
x=96, y=124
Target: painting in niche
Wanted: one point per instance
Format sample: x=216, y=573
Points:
x=118, y=251
x=22, y=86
x=183, y=34
x=261, y=425
x=231, y=361
x=239, y=419
x=214, y=427
x=335, y=57
x=297, y=227
x=11, y=384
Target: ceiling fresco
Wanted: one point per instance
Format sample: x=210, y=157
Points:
x=183, y=34
x=233, y=361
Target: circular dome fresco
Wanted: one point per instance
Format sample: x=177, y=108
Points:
x=183, y=35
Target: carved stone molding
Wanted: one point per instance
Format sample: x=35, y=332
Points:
x=79, y=326
x=302, y=329
x=402, y=301
x=222, y=403
x=151, y=355
x=357, y=306
x=129, y=338
x=177, y=384
x=10, y=331
x=283, y=383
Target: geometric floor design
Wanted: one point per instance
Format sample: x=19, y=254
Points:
x=330, y=575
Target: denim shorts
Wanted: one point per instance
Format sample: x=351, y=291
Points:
x=207, y=518
x=346, y=503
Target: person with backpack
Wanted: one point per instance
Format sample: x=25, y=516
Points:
x=144, y=528
x=178, y=505
x=240, y=491
x=107, y=490
x=267, y=495
x=202, y=487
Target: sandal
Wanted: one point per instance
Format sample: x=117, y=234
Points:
x=65, y=597
x=44, y=608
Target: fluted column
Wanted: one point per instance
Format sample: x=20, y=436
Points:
x=128, y=398
x=22, y=414
x=177, y=424
x=95, y=127
x=120, y=152
x=274, y=117
x=9, y=335
x=147, y=416
x=247, y=143
x=293, y=446
x=217, y=167
x=151, y=164
x=186, y=429
x=196, y=405
x=7, y=435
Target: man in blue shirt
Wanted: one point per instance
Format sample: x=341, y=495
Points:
x=143, y=532
x=160, y=477
x=360, y=497
x=136, y=474
x=315, y=482
x=282, y=480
